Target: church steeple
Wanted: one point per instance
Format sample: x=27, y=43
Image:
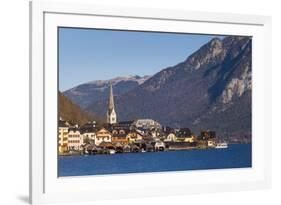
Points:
x=111, y=99
x=111, y=114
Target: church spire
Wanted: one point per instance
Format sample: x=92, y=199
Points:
x=111, y=114
x=111, y=99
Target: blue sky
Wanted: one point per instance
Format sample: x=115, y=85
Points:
x=90, y=54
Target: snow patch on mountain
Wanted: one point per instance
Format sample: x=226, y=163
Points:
x=116, y=80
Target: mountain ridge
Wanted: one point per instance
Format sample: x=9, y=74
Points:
x=87, y=93
x=210, y=89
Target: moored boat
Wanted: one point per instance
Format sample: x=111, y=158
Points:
x=222, y=145
x=112, y=151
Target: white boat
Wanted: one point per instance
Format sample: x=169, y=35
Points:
x=112, y=151
x=222, y=145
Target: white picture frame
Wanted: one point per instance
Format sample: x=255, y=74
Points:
x=46, y=187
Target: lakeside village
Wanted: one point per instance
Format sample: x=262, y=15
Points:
x=141, y=135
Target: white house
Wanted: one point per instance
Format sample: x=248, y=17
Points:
x=63, y=136
x=159, y=146
x=147, y=124
x=171, y=138
x=75, y=139
x=211, y=143
x=103, y=135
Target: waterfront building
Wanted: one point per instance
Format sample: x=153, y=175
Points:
x=135, y=148
x=111, y=113
x=154, y=133
x=89, y=131
x=89, y=135
x=103, y=135
x=211, y=143
x=159, y=146
x=205, y=135
x=149, y=147
x=119, y=136
x=75, y=140
x=183, y=135
x=147, y=124
x=90, y=149
x=119, y=147
x=170, y=138
x=190, y=139
x=127, y=148
x=125, y=125
x=134, y=136
x=63, y=136
x=106, y=146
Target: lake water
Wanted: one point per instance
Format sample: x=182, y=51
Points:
x=235, y=156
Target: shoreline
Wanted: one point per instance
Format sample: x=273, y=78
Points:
x=165, y=150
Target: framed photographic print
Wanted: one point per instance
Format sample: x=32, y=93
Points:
x=147, y=102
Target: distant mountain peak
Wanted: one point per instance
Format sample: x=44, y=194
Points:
x=118, y=79
x=207, y=53
x=84, y=94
